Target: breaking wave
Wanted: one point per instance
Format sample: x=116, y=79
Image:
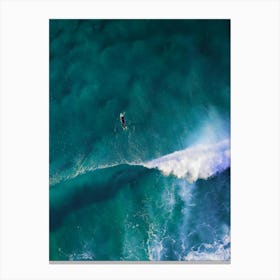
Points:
x=193, y=163
x=197, y=162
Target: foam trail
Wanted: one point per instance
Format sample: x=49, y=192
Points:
x=198, y=162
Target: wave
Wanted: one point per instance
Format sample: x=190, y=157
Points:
x=197, y=162
x=161, y=237
x=193, y=163
x=79, y=169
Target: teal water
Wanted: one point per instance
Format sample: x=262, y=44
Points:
x=124, y=194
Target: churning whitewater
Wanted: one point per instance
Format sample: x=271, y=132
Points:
x=198, y=162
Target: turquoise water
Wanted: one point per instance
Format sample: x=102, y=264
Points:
x=159, y=190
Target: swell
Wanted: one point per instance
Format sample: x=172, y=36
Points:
x=91, y=187
x=157, y=210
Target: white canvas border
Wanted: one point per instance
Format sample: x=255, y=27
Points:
x=254, y=132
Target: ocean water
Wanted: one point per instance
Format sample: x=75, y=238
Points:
x=160, y=189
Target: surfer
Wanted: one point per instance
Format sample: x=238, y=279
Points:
x=122, y=120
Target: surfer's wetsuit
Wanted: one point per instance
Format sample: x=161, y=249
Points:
x=123, y=121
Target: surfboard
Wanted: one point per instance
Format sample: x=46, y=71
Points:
x=123, y=121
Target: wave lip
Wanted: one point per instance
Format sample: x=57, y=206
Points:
x=197, y=162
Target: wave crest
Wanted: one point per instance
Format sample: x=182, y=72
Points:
x=198, y=162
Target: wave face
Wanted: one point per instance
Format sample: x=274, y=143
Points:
x=138, y=213
x=159, y=190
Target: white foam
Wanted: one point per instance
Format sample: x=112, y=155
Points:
x=218, y=251
x=84, y=256
x=197, y=162
x=154, y=243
